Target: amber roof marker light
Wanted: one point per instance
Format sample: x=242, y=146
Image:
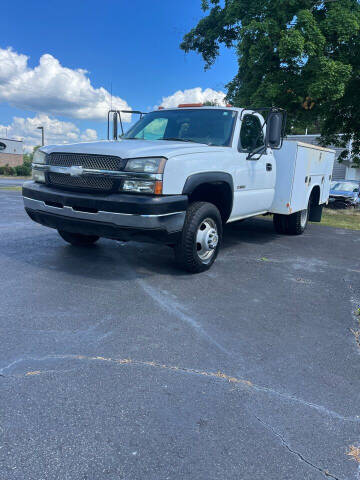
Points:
x=185, y=105
x=197, y=105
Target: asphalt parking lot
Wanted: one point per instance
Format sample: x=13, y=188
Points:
x=11, y=182
x=115, y=365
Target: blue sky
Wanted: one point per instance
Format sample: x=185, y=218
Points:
x=133, y=45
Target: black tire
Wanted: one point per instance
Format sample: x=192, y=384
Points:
x=280, y=223
x=293, y=224
x=187, y=250
x=77, y=239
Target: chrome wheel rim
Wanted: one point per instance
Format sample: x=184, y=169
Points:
x=207, y=239
x=303, y=218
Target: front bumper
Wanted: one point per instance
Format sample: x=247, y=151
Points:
x=337, y=201
x=117, y=216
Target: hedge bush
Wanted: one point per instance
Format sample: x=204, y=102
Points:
x=7, y=170
x=23, y=170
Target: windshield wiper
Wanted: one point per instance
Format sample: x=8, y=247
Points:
x=175, y=139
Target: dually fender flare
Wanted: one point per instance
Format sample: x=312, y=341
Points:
x=197, y=179
x=211, y=178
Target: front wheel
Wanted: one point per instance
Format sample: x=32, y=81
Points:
x=200, y=239
x=77, y=239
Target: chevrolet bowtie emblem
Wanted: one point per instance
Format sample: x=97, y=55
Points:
x=76, y=171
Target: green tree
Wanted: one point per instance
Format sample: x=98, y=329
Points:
x=301, y=55
x=28, y=157
x=25, y=168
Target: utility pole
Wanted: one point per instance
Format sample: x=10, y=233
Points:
x=42, y=135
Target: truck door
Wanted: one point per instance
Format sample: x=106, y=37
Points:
x=254, y=185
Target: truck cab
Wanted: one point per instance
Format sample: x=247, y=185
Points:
x=176, y=177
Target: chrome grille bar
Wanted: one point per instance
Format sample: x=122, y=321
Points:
x=85, y=160
x=92, y=172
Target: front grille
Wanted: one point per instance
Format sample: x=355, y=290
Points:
x=91, y=183
x=85, y=160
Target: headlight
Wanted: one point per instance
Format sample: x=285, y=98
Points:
x=142, y=186
x=38, y=176
x=147, y=165
x=39, y=157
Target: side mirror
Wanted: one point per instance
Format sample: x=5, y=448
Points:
x=275, y=129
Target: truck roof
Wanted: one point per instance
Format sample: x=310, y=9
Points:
x=208, y=107
x=310, y=145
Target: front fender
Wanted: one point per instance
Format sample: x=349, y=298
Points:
x=197, y=179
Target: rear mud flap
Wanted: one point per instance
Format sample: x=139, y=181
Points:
x=315, y=213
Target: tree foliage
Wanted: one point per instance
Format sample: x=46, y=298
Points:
x=23, y=170
x=301, y=55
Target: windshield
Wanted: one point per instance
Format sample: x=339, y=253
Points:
x=345, y=186
x=209, y=126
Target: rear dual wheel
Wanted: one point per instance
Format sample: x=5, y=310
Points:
x=294, y=224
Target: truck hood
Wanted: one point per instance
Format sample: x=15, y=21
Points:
x=133, y=148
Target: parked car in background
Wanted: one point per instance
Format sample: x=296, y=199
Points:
x=344, y=194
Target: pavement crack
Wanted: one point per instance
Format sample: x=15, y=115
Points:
x=315, y=406
x=294, y=452
x=14, y=362
x=215, y=375
x=126, y=361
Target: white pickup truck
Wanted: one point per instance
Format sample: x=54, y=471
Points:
x=177, y=176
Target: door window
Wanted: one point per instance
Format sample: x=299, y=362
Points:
x=251, y=134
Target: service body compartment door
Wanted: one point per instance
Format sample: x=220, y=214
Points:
x=313, y=169
x=300, y=168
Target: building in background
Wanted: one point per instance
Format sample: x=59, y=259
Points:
x=11, y=152
x=344, y=170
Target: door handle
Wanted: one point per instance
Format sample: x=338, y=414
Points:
x=268, y=167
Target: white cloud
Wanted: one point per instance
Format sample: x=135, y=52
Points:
x=89, y=135
x=53, y=89
x=11, y=64
x=56, y=131
x=194, y=95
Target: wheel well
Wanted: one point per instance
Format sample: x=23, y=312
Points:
x=315, y=209
x=315, y=196
x=217, y=193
